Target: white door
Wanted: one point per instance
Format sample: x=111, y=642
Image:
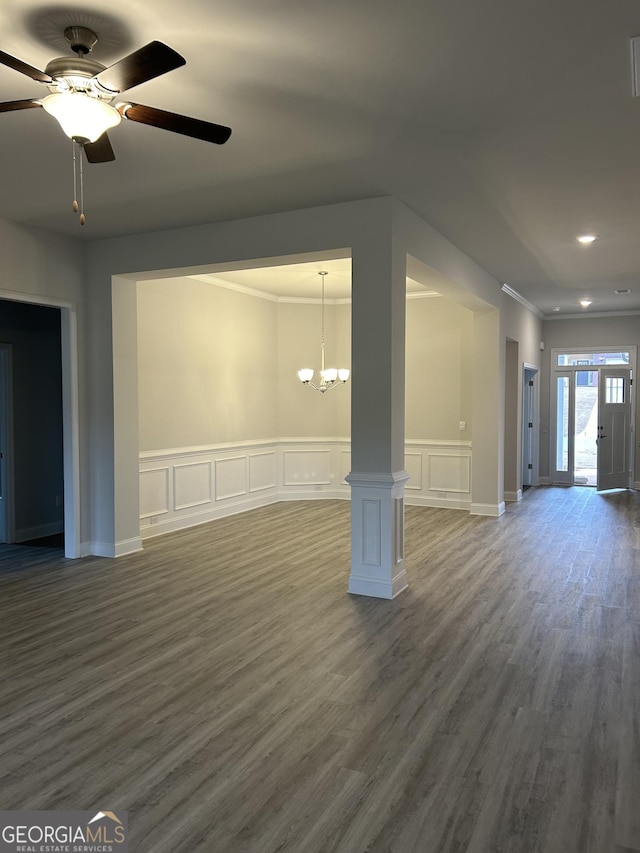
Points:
x=614, y=428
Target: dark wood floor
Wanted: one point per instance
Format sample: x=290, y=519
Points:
x=224, y=688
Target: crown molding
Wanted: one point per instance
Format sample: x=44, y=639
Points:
x=592, y=315
x=528, y=305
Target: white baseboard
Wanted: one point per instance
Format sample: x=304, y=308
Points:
x=493, y=510
x=171, y=525
x=119, y=549
x=437, y=503
x=102, y=549
x=39, y=531
x=196, y=518
x=334, y=495
x=513, y=497
x=128, y=546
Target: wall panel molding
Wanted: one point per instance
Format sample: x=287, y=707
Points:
x=182, y=487
x=262, y=471
x=231, y=477
x=307, y=467
x=191, y=484
x=154, y=491
x=449, y=472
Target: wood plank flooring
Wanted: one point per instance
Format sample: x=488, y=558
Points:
x=225, y=690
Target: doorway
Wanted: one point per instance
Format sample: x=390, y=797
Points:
x=6, y=446
x=591, y=404
x=69, y=500
x=529, y=421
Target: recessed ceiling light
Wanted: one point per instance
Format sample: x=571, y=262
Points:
x=557, y=308
x=586, y=239
x=585, y=303
x=622, y=290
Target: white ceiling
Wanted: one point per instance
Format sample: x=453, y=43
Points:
x=298, y=281
x=509, y=126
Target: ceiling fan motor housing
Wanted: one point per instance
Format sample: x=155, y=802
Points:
x=70, y=69
x=81, y=39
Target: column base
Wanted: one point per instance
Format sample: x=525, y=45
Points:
x=377, y=534
x=359, y=585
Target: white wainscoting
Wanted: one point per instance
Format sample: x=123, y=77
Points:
x=181, y=487
x=439, y=473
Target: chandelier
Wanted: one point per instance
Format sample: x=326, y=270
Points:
x=329, y=376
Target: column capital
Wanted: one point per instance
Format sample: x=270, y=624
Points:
x=377, y=479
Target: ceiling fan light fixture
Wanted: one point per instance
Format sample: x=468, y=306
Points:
x=81, y=116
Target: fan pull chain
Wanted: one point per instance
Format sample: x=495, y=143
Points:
x=82, y=219
x=75, y=168
x=78, y=173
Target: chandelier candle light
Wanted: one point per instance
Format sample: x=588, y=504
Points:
x=329, y=376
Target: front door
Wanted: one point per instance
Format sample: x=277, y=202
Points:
x=614, y=428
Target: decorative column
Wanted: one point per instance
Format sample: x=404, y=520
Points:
x=377, y=534
x=378, y=477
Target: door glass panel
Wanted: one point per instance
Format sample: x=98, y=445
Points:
x=614, y=389
x=595, y=358
x=585, y=431
x=562, y=429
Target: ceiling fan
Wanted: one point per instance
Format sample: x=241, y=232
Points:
x=82, y=93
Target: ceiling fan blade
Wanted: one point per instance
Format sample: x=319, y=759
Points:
x=23, y=68
x=99, y=151
x=10, y=106
x=144, y=64
x=193, y=127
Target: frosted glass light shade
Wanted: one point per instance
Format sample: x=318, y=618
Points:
x=343, y=374
x=305, y=375
x=81, y=116
x=330, y=374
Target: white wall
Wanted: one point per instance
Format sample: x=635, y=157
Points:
x=207, y=364
x=303, y=411
x=438, y=369
x=219, y=366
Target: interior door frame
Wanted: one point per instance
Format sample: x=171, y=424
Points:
x=7, y=506
x=530, y=415
x=567, y=478
x=70, y=414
